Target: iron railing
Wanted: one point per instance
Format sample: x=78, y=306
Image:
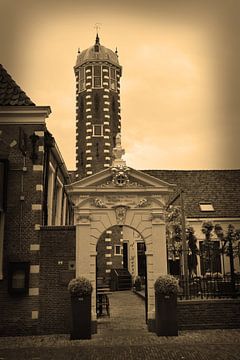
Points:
x=209, y=288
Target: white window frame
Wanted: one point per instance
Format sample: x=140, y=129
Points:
x=120, y=248
x=59, y=194
x=93, y=130
x=51, y=172
x=206, y=207
x=64, y=210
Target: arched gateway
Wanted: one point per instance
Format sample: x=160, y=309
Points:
x=120, y=195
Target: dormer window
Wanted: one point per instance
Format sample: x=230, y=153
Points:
x=81, y=81
x=97, y=130
x=206, y=206
x=113, y=79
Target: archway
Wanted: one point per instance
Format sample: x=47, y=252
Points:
x=120, y=260
x=139, y=203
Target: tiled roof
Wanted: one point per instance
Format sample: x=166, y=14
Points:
x=10, y=93
x=219, y=187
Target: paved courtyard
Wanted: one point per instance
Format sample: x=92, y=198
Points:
x=124, y=336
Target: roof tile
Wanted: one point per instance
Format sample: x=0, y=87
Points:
x=219, y=187
x=10, y=93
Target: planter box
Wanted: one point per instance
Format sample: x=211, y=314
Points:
x=138, y=287
x=166, y=315
x=81, y=317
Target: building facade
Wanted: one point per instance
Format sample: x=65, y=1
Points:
x=33, y=175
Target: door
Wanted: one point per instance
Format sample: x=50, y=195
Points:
x=125, y=255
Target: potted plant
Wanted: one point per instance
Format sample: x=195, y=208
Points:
x=138, y=283
x=166, y=290
x=80, y=290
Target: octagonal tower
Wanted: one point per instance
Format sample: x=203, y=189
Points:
x=98, y=120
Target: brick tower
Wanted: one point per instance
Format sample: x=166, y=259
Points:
x=98, y=119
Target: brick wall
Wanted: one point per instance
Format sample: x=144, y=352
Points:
x=209, y=314
x=23, y=146
x=20, y=221
x=56, y=257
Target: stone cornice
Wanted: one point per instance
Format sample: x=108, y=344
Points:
x=24, y=114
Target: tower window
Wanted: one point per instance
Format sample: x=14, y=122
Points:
x=81, y=82
x=113, y=79
x=97, y=76
x=97, y=150
x=97, y=130
x=81, y=158
x=117, y=250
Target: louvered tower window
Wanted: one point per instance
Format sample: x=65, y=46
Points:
x=113, y=79
x=81, y=79
x=97, y=78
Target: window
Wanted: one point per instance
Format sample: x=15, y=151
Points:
x=117, y=250
x=97, y=130
x=113, y=79
x=64, y=212
x=50, y=194
x=206, y=206
x=18, y=278
x=59, y=193
x=97, y=76
x=81, y=81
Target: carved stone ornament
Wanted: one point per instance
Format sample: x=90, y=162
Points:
x=83, y=217
x=143, y=203
x=118, y=152
x=129, y=184
x=158, y=216
x=120, y=176
x=121, y=212
x=99, y=203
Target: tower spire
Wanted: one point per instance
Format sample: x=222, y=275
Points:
x=97, y=42
x=97, y=28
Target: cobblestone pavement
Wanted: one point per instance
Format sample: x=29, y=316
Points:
x=124, y=336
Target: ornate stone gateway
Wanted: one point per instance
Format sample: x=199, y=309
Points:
x=120, y=195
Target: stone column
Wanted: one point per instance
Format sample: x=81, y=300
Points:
x=86, y=255
x=156, y=260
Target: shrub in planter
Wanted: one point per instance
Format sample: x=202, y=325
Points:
x=80, y=290
x=138, y=283
x=166, y=290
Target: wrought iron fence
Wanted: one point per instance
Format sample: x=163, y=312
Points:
x=209, y=287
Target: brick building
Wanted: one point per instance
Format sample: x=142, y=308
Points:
x=33, y=175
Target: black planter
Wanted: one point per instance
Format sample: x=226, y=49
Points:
x=166, y=315
x=138, y=286
x=81, y=317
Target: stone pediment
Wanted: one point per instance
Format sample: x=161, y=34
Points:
x=120, y=186
x=119, y=178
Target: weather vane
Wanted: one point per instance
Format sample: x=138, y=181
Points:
x=97, y=27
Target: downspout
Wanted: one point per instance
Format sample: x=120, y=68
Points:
x=48, y=143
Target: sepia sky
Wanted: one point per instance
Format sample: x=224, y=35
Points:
x=180, y=87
